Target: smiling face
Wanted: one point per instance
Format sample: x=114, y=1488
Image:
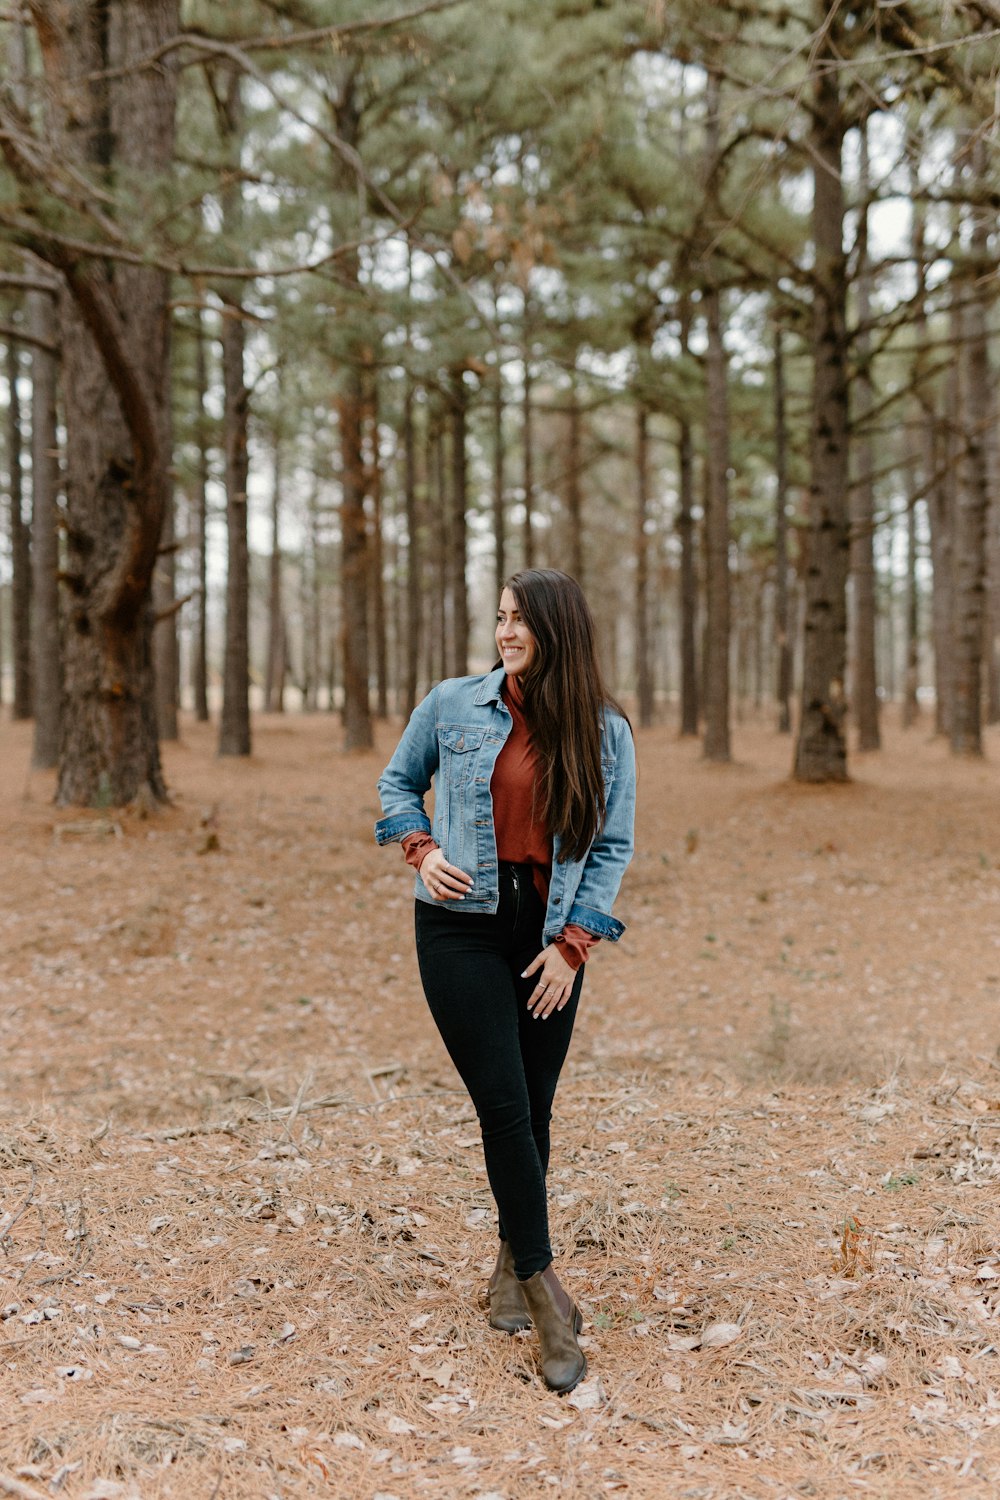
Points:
x=515, y=642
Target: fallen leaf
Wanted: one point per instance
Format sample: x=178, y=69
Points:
x=718, y=1335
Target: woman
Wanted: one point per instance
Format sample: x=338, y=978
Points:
x=534, y=774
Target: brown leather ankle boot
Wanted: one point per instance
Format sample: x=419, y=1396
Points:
x=558, y=1321
x=508, y=1309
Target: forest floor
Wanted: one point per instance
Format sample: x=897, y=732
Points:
x=245, y=1228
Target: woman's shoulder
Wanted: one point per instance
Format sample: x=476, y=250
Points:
x=475, y=689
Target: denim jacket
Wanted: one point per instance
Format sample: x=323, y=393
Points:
x=454, y=736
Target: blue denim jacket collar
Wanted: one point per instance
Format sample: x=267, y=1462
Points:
x=491, y=690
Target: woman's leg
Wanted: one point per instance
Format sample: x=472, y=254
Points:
x=470, y=989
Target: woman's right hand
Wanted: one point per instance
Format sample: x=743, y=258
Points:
x=445, y=882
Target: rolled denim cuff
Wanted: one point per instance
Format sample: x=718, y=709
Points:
x=390, y=830
x=600, y=923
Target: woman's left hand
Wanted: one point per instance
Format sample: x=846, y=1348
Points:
x=555, y=982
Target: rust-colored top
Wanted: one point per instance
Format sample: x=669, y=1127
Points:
x=521, y=834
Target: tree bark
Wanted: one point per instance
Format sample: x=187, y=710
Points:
x=782, y=624
x=234, y=727
x=111, y=117
x=911, y=703
x=45, y=625
x=199, y=642
x=528, y=445
x=411, y=650
x=574, y=484
x=277, y=664
x=165, y=644
x=499, y=484
x=821, y=751
x=20, y=542
x=643, y=644
x=717, y=539
x=380, y=623
x=689, y=569
x=355, y=565
x=974, y=493
x=864, y=679
x=457, y=532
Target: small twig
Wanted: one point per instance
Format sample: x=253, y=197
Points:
x=173, y=608
x=296, y=1108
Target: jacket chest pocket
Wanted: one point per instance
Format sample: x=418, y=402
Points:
x=458, y=745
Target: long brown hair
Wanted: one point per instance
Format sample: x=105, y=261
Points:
x=564, y=703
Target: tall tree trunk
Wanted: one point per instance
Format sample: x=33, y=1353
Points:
x=782, y=623
x=821, y=751
x=412, y=632
x=277, y=665
x=717, y=539
x=199, y=663
x=46, y=634
x=355, y=565
x=643, y=644
x=109, y=112
x=379, y=615
x=499, y=484
x=911, y=703
x=864, y=680
x=165, y=644
x=574, y=483
x=234, y=728
x=528, y=445
x=689, y=569
x=20, y=542
x=457, y=532
x=20, y=529
x=974, y=491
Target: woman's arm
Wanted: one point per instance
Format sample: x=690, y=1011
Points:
x=407, y=778
x=611, y=852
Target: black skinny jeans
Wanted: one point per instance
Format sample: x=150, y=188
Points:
x=470, y=967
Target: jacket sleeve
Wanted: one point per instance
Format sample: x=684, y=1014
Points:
x=611, y=852
x=407, y=778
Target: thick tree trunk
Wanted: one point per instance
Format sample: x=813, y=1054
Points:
x=782, y=624
x=46, y=635
x=643, y=643
x=109, y=115
x=864, y=679
x=821, y=751
x=20, y=542
x=234, y=727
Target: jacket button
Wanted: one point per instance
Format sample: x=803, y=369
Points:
x=557, y=901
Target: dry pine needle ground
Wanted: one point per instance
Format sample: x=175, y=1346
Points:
x=245, y=1228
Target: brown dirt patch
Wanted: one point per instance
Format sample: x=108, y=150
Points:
x=245, y=1225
